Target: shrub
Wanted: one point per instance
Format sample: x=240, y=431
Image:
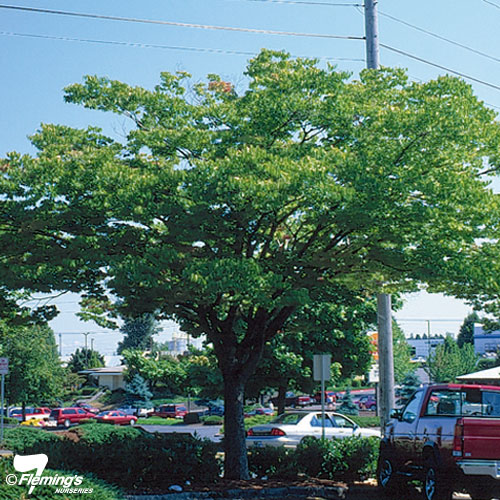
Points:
x=100, y=490
x=359, y=457
x=317, y=457
x=272, y=461
x=213, y=420
x=22, y=438
x=132, y=458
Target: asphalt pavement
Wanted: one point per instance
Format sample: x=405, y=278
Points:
x=203, y=431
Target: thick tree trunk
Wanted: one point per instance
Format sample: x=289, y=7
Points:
x=235, y=462
x=281, y=398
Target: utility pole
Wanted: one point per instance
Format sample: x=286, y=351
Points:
x=384, y=313
x=60, y=344
x=86, y=350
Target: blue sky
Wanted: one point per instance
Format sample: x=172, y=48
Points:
x=41, y=54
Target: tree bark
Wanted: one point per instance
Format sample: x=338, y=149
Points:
x=235, y=462
x=281, y=398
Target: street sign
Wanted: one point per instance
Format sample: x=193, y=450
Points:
x=4, y=366
x=321, y=366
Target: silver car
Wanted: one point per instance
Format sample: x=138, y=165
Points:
x=288, y=429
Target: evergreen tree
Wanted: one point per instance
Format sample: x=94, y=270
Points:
x=84, y=358
x=138, y=333
x=347, y=405
x=138, y=393
x=466, y=333
x=410, y=384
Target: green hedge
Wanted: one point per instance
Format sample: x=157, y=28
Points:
x=100, y=490
x=348, y=459
x=125, y=456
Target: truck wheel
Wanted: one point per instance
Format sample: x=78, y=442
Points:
x=435, y=486
x=389, y=483
x=67, y=423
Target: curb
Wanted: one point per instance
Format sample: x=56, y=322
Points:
x=327, y=492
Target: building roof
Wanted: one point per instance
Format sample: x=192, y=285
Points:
x=489, y=374
x=106, y=370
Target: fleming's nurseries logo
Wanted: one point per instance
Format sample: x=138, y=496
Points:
x=32, y=467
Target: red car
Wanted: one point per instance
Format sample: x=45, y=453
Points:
x=115, y=417
x=170, y=411
x=67, y=416
x=330, y=397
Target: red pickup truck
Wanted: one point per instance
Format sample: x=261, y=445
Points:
x=447, y=436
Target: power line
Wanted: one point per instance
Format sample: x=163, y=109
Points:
x=301, y=2
x=492, y=3
x=182, y=25
x=156, y=46
x=439, y=37
x=430, y=63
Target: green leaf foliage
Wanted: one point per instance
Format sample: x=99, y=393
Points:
x=35, y=373
x=450, y=361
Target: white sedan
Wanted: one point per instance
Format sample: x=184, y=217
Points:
x=288, y=429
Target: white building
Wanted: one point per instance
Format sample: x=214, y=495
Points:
x=422, y=347
x=485, y=342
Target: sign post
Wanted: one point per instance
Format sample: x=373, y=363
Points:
x=321, y=371
x=4, y=370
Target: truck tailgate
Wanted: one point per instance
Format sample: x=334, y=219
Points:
x=481, y=438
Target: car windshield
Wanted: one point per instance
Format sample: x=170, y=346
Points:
x=103, y=413
x=289, y=418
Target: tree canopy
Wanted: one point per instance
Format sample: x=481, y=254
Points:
x=466, y=332
x=229, y=210
x=35, y=372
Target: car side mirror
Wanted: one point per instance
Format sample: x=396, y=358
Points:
x=396, y=414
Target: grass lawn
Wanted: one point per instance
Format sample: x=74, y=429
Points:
x=159, y=421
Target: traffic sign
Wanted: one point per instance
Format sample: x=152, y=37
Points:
x=4, y=366
x=321, y=366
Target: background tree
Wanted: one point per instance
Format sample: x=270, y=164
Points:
x=85, y=358
x=410, y=383
x=138, y=393
x=402, y=354
x=335, y=323
x=347, y=405
x=228, y=212
x=450, y=361
x=165, y=371
x=139, y=333
x=466, y=332
x=203, y=376
x=35, y=372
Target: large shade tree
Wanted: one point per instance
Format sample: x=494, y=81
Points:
x=227, y=211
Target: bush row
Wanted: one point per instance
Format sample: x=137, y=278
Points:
x=100, y=490
x=125, y=456
x=348, y=459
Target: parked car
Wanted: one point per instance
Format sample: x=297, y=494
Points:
x=88, y=408
x=446, y=436
x=116, y=417
x=367, y=402
x=41, y=413
x=330, y=397
x=169, y=411
x=292, y=400
x=68, y=416
x=213, y=407
x=259, y=411
x=288, y=429
x=133, y=410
